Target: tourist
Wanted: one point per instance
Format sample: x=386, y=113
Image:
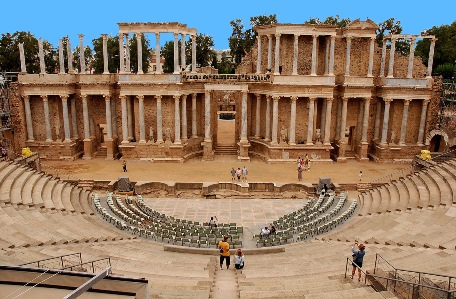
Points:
x=272, y=230
x=358, y=256
x=238, y=173
x=360, y=175
x=213, y=222
x=233, y=174
x=245, y=172
x=239, y=259
x=299, y=161
x=265, y=232
x=325, y=188
x=124, y=166
x=224, y=247
x=306, y=162
x=299, y=173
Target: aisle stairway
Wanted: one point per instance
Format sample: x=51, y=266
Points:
x=226, y=150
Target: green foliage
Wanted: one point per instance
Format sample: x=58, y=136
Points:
x=447, y=70
x=336, y=21
x=167, y=52
x=88, y=58
x=134, y=53
x=225, y=66
x=204, y=51
x=112, y=43
x=9, y=52
x=392, y=26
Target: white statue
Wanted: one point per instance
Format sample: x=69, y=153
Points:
x=151, y=134
x=283, y=135
x=318, y=136
x=393, y=137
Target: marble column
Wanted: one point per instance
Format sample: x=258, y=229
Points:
x=66, y=118
x=365, y=120
x=142, y=126
x=207, y=117
x=159, y=120
x=85, y=113
x=184, y=118
x=194, y=129
x=183, y=62
x=108, y=116
x=383, y=62
x=139, y=51
x=81, y=54
x=269, y=52
x=194, y=54
x=176, y=53
x=411, y=58
x=70, y=57
x=61, y=58
x=121, y=53
x=277, y=56
x=295, y=54
x=343, y=120
x=347, y=56
x=114, y=119
x=275, y=119
x=359, y=125
x=123, y=101
x=158, y=69
x=74, y=121
x=268, y=119
x=431, y=58
x=328, y=121
x=310, y=122
x=313, y=71
x=377, y=120
x=105, y=54
x=331, y=56
x=28, y=119
x=371, y=57
x=258, y=115
x=127, y=54
x=47, y=120
x=338, y=117
x=41, y=56
x=292, y=138
x=130, y=118
x=322, y=119
x=404, y=121
x=391, y=60
x=385, y=120
x=244, y=117
x=422, y=122
x=327, y=45
x=22, y=58
x=258, y=66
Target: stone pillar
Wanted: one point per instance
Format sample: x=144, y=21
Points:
x=322, y=119
x=183, y=62
x=347, y=56
x=377, y=120
x=338, y=117
x=47, y=119
x=158, y=69
x=331, y=56
x=343, y=120
x=121, y=53
x=268, y=119
x=391, y=61
x=258, y=115
x=176, y=53
x=258, y=66
x=371, y=57
x=411, y=58
x=61, y=58
x=385, y=120
x=275, y=119
x=310, y=122
x=66, y=118
x=313, y=71
x=404, y=121
x=244, y=117
x=277, y=56
x=295, y=54
x=327, y=44
x=70, y=57
x=81, y=54
x=365, y=120
x=431, y=58
x=383, y=62
x=194, y=130
x=85, y=113
x=108, y=116
x=269, y=52
x=74, y=122
x=422, y=122
x=22, y=57
x=41, y=56
x=207, y=117
x=327, y=134
x=292, y=138
x=123, y=101
x=28, y=119
x=193, y=53
x=105, y=54
x=139, y=51
x=130, y=118
x=159, y=120
x=127, y=54
x=184, y=117
x=142, y=126
x=114, y=119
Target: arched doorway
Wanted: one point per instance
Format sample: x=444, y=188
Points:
x=437, y=144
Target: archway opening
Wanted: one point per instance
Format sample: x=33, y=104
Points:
x=437, y=144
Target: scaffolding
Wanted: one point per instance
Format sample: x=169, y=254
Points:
x=6, y=125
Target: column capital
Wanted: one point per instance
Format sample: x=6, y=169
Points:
x=176, y=97
x=393, y=39
x=294, y=98
x=412, y=40
x=277, y=35
x=276, y=98
x=329, y=100
x=107, y=97
x=258, y=96
x=268, y=97
x=387, y=100
x=258, y=37
x=244, y=92
x=44, y=97
x=426, y=101
x=122, y=97
x=314, y=36
x=312, y=99
x=333, y=37
x=194, y=95
x=407, y=101
x=296, y=36
x=138, y=35
x=345, y=99
x=207, y=93
x=367, y=100
x=159, y=98
x=104, y=35
x=64, y=97
x=176, y=35
x=184, y=96
x=81, y=36
x=348, y=38
x=140, y=97
x=372, y=38
x=83, y=97
x=26, y=97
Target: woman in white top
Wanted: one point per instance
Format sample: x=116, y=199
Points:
x=239, y=259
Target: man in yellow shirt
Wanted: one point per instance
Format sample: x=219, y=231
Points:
x=224, y=252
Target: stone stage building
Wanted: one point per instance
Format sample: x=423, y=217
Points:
x=304, y=89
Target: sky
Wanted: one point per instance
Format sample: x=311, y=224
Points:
x=51, y=20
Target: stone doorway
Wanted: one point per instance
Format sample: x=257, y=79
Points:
x=437, y=144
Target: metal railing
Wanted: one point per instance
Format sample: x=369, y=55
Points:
x=58, y=260
x=100, y=264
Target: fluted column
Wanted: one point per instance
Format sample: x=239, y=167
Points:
x=292, y=138
x=422, y=122
x=269, y=52
x=121, y=53
x=328, y=121
x=258, y=66
x=277, y=56
x=66, y=118
x=331, y=56
x=385, y=120
x=194, y=130
x=391, y=61
x=365, y=120
x=431, y=57
x=47, y=120
x=244, y=117
x=139, y=51
x=383, y=62
x=377, y=120
x=70, y=57
x=404, y=121
x=28, y=119
x=142, y=126
x=275, y=118
x=371, y=57
x=41, y=56
x=310, y=122
x=184, y=118
x=343, y=119
x=158, y=69
x=411, y=58
x=127, y=54
x=313, y=71
x=105, y=54
x=123, y=101
x=183, y=62
x=22, y=58
x=85, y=114
x=295, y=54
x=257, y=115
x=268, y=119
x=176, y=53
x=327, y=45
x=193, y=53
x=347, y=56
x=159, y=120
x=81, y=54
x=207, y=116
x=61, y=58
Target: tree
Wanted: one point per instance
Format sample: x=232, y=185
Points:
x=9, y=52
x=225, y=65
x=204, y=51
x=392, y=26
x=112, y=44
x=337, y=21
x=167, y=52
x=88, y=58
x=134, y=53
x=51, y=57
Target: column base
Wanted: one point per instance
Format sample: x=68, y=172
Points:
x=402, y=144
x=194, y=136
x=87, y=149
x=309, y=143
x=30, y=140
x=276, y=74
x=125, y=142
x=142, y=141
x=49, y=140
x=140, y=73
x=105, y=73
x=67, y=140
x=418, y=143
x=208, y=153
x=274, y=143
x=267, y=139
x=159, y=141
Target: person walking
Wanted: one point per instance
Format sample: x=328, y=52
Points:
x=245, y=172
x=124, y=166
x=233, y=174
x=238, y=173
x=224, y=247
x=299, y=173
x=360, y=175
x=239, y=259
x=358, y=257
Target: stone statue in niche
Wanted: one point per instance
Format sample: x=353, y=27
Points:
x=167, y=135
x=393, y=137
x=57, y=132
x=318, y=137
x=283, y=134
x=347, y=131
x=151, y=134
